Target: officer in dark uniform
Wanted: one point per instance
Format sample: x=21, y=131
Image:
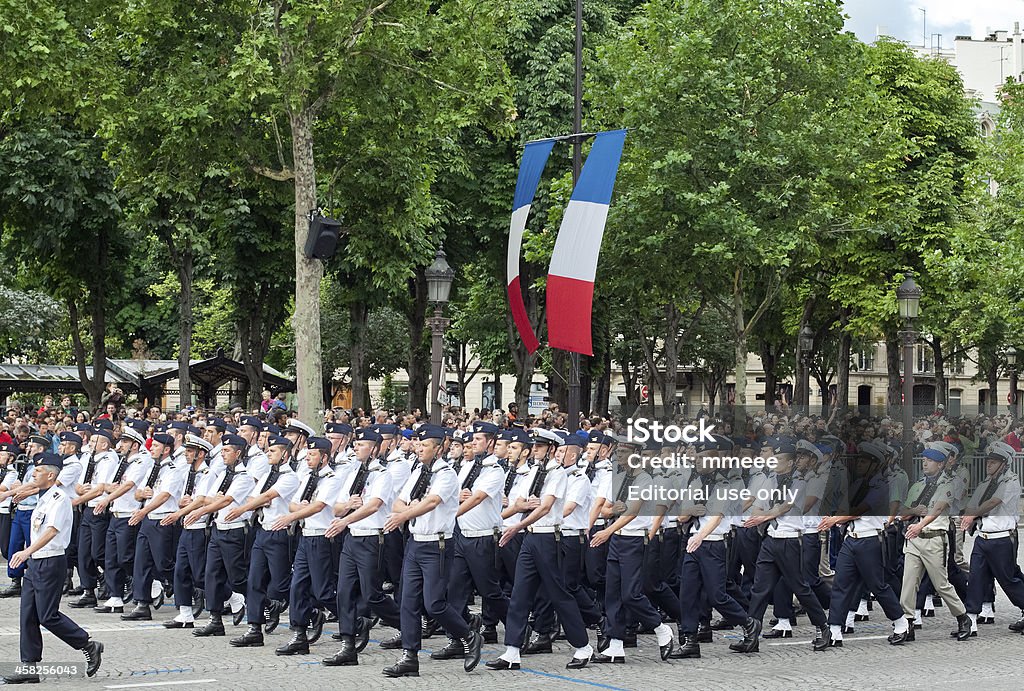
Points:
x=429, y=503
x=50, y=534
x=226, y=565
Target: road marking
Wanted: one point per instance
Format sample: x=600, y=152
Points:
x=573, y=680
x=160, y=683
x=858, y=638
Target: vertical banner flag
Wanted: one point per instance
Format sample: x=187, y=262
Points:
x=535, y=156
x=573, y=267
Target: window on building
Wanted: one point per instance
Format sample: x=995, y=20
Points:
x=925, y=359
x=953, y=402
x=866, y=359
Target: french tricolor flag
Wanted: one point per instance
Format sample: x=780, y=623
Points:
x=570, y=290
x=535, y=157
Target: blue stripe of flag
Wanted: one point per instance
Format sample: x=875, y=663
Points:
x=535, y=157
x=598, y=175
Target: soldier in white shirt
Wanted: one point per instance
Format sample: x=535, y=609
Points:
x=312, y=593
x=44, y=578
x=429, y=503
x=517, y=483
x=363, y=509
x=269, y=563
x=8, y=476
x=601, y=473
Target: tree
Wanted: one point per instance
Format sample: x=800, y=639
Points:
x=30, y=319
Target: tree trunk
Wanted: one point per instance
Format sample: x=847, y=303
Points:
x=524, y=380
x=740, y=346
x=358, y=315
x=940, y=371
x=604, y=383
x=308, y=274
x=769, y=359
x=843, y=362
x=992, y=377
x=419, y=350
x=560, y=364
x=671, y=350
x=94, y=386
x=892, y=362
x=186, y=321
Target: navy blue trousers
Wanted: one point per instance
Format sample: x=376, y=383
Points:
x=361, y=575
x=269, y=572
x=596, y=560
x=538, y=568
x=119, y=554
x=859, y=567
x=92, y=540
x=746, y=545
x=154, y=558
x=781, y=560
x=574, y=551
x=189, y=566
x=655, y=584
x=424, y=576
x=507, y=558
x=40, y=602
x=702, y=577
x=226, y=569
x=21, y=531
x=473, y=565
x=810, y=558
x=313, y=581
x=5, y=534
x=994, y=560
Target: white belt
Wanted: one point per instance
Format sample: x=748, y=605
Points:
x=714, y=538
x=198, y=525
x=313, y=532
x=5, y=510
x=783, y=534
x=122, y=514
x=26, y=508
x=994, y=536
x=543, y=529
x=365, y=532
x=863, y=533
x=478, y=533
x=159, y=516
x=573, y=532
x=430, y=537
x=599, y=521
x=634, y=532
x=230, y=526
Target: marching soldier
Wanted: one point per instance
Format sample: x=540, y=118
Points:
x=8, y=476
x=602, y=473
x=312, y=591
x=516, y=486
x=269, y=563
x=538, y=564
x=24, y=495
x=154, y=548
x=70, y=449
x=369, y=493
x=92, y=531
x=226, y=566
x=190, y=556
x=429, y=503
x=50, y=534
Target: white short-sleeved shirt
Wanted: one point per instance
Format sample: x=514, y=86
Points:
x=378, y=486
x=286, y=484
x=877, y=498
x=139, y=466
x=215, y=460
x=103, y=473
x=171, y=479
x=200, y=489
x=7, y=478
x=399, y=472
x=602, y=484
x=814, y=486
x=328, y=488
x=69, y=475
x=520, y=486
x=257, y=463
x=555, y=484
x=239, y=490
x=1004, y=516
x=52, y=510
x=793, y=520
x=487, y=514
x=757, y=482
x=717, y=504
x=645, y=519
x=578, y=490
x=444, y=482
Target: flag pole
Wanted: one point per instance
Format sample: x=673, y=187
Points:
x=577, y=164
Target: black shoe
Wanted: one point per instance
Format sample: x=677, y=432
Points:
x=332, y=618
x=175, y=624
x=473, y=643
x=833, y=643
x=159, y=601
x=104, y=595
x=723, y=625
x=986, y=620
x=925, y=613
x=198, y=603
x=22, y=679
x=274, y=609
x=937, y=602
x=490, y=634
x=823, y=640
x=963, y=630
x=689, y=648
x=68, y=583
x=1018, y=625
x=140, y=613
x=253, y=638
x=864, y=617
x=453, y=651
x=500, y=665
x=429, y=629
x=103, y=609
x=93, y=654
x=751, y=637
x=298, y=645
x=847, y=629
x=76, y=591
x=704, y=633
x=88, y=599
x=578, y=662
x=346, y=655
x=956, y=633
x=316, y=626
x=667, y=649
x=214, y=627
x=14, y=590
x=910, y=633
x=777, y=633
x=393, y=643
x=362, y=637
x=629, y=640
x=916, y=626
x=408, y=666
x=238, y=616
x=602, y=659
x=897, y=638
x=540, y=644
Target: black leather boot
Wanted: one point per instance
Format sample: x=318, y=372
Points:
x=963, y=627
x=298, y=645
x=751, y=637
x=93, y=654
x=407, y=666
x=689, y=648
x=393, y=643
x=253, y=638
x=214, y=627
x=14, y=589
x=88, y=599
x=346, y=655
x=823, y=639
x=541, y=643
x=274, y=609
x=140, y=613
x=704, y=633
x=453, y=651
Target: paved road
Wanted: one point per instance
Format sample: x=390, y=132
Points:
x=145, y=655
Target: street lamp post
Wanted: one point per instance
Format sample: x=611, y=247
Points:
x=806, y=343
x=439, y=277
x=908, y=297
x=1011, y=361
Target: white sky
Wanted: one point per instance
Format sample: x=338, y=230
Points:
x=903, y=19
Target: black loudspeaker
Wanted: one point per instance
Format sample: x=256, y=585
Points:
x=322, y=240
